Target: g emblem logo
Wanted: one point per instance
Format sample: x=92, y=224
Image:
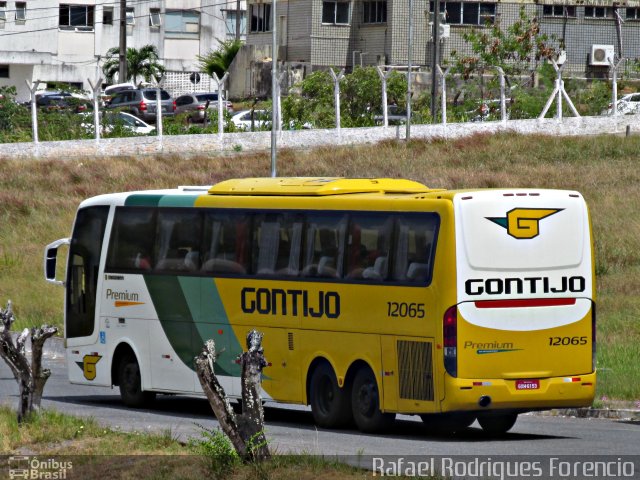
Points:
x=524, y=223
x=89, y=366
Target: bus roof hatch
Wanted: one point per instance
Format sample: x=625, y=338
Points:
x=315, y=186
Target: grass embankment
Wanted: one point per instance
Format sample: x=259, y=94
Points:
x=98, y=452
x=38, y=200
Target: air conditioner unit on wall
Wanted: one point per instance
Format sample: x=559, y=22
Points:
x=601, y=54
x=444, y=31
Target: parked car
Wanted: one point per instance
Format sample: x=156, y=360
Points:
x=627, y=104
x=53, y=101
x=199, y=104
x=109, y=121
x=243, y=120
x=111, y=90
x=141, y=102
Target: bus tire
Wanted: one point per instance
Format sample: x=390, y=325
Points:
x=130, y=383
x=497, y=424
x=444, y=423
x=329, y=403
x=365, y=401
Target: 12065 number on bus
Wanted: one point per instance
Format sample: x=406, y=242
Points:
x=402, y=309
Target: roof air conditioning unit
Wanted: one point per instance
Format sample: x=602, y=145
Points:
x=601, y=54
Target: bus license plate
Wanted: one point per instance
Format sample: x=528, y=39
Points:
x=527, y=384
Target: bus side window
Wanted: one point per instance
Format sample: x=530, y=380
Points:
x=290, y=245
x=178, y=240
x=225, y=243
x=131, y=245
x=369, y=243
x=266, y=243
x=325, y=246
x=414, y=241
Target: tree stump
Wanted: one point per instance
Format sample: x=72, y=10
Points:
x=31, y=377
x=245, y=431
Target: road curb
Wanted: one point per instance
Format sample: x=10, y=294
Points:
x=611, y=413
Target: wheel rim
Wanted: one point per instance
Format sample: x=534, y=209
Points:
x=367, y=399
x=326, y=395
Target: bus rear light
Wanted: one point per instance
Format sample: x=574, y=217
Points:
x=572, y=379
x=450, y=340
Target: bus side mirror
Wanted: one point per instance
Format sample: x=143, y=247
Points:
x=50, y=259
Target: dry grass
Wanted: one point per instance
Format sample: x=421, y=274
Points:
x=38, y=200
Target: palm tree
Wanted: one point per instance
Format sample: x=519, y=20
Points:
x=141, y=62
x=218, y=61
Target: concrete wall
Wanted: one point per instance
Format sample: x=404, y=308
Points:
x=230, y=142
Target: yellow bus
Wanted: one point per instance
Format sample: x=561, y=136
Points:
x=375, y=296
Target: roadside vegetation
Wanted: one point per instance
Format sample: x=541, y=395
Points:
x=99, y=452
x=38, y=199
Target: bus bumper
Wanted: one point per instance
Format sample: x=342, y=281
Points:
x=495, y=394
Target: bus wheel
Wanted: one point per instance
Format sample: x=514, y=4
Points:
x=329, y=403
x=447, y=422
x=131, y=385
x=497, y=424
x=365, y=401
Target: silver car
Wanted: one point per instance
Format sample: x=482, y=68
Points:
x=197, y=104
x=142, y=103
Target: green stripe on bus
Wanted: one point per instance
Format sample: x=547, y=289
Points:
x=177, y=200
x=138, y=200
x=178, y=303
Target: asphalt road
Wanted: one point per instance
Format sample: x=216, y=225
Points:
x=291, y=429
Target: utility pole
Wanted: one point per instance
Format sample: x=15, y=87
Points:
x=409, y=67
x=238, y=20
x=434, y=62
x=122, y=71
x=274, y=89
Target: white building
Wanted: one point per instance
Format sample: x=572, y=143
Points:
x=54, y=41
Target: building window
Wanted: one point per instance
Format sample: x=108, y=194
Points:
x=468, y=13
x=182, y=24
x=3, y=11
x=261, y=17
x=336, y=12
x=4, y=71
x=633, y=13
x=154, y=18
x=107, y=16
x=230, y=20
x=76, y=17
x=559, y=11
x=21, y=12
x=130, y=16
x=374, y=12
x=598, y=12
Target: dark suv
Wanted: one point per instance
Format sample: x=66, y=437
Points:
x=142, y=103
